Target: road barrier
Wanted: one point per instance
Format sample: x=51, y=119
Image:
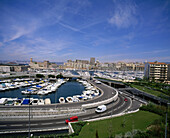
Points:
x=91, y=105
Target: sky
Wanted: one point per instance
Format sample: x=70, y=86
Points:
x=109, y=30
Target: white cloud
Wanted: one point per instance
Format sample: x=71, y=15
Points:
x=69, y=27
x=1, y=44
x=13, y=32
x=124, y=14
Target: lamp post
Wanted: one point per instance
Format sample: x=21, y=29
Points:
x=29, y=118
x=166, y=120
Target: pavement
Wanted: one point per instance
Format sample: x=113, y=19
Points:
x=17, y=125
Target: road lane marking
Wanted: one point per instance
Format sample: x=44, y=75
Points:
x=17, y=125
x=2, y=125
x=46, y=123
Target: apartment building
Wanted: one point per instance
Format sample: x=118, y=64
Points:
x=156, y=71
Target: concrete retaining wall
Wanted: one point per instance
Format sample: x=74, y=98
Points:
x=91, y=105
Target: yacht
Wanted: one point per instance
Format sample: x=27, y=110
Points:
x=3, y=101
x=34, y=102
x=17, y=102
x=69, y=99
x=40, y=102
x=75, y=99
x=61, y=100
x=47, y=101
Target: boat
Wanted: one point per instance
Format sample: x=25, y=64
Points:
x=2, y=89
x=69, y=99
x=17, y=102
x=3, y=101
x=96, y=93
x=61, y=100
x=34, y=102
x=25, y=102
x=47, y=101
x=75, y=99
x=40, y=102
x=10, y=101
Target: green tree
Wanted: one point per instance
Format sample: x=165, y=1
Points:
x=51, y=76
x=40, y=76
x=59, y=76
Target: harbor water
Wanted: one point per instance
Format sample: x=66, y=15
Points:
x=69, y=88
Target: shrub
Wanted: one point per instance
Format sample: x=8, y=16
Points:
x=77, y=128
x=40, y=76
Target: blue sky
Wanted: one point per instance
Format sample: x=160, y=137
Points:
x=109, y=30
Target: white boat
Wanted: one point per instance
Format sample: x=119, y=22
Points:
x=17, y=102
x=46, y=91
x=10, y=101
x=34, y=102
x=40, y=102
x=98, y=82
x=75, y=99
x=47, y=101
x=69, y=99
x=61, y=100
x=96, y=92
x=2, y=89
x=3, y=101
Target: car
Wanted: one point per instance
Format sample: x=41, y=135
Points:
x=101, y=109
x=125, y=99
x=71, y=119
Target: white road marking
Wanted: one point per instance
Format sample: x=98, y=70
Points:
x=47, y=123
x=17, y=125
x=2, y=125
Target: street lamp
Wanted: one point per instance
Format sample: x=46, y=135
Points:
x=166, y=120
x=29, y=118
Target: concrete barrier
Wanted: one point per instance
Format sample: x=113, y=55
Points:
x=70, y=128
x=112, y=116
x=91, y=105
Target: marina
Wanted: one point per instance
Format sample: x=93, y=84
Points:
x=45, y=92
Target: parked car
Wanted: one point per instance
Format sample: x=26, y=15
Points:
x=125, y=99
x=72, y=119
x=101, y=108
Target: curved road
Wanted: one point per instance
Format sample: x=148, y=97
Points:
x=59, y=122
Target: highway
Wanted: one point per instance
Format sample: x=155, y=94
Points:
x=57, y=122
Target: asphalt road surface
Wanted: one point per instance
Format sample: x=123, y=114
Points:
x=59, y=122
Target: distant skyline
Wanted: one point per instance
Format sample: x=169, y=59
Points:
x=109, y=30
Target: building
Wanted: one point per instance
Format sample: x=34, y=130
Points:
x=21, y=68
x=42, y=65
x=78, y=64
x=92, y=61
x=6, y=68
x=168, y=77
x=12, y=68
x=156, y=71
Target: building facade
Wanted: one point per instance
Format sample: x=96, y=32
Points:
x=92, y=61
x=42, y=65
x=11, y=68
x=156, y=71
x=78, y=64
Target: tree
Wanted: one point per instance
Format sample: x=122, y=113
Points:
x=51, y=76
x=59, y=76
x=40, y=76
x=97, y=135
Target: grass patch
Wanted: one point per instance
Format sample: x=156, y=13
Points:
x=119, y=125
x=150, y=91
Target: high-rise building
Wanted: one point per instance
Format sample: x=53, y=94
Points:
x=92, y=61
x=168, y=78
x=156, y=71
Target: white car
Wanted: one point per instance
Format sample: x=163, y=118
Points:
x=101, y=108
